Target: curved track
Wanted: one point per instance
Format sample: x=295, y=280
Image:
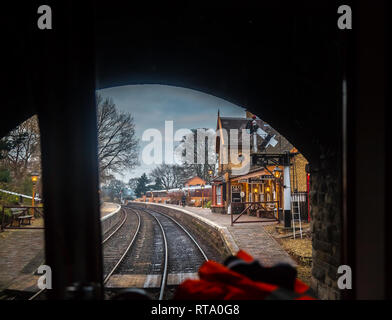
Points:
x=151, y=243
x=182, y=253
x=118, y=243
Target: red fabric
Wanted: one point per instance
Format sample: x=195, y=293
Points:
x=300, y=287
x=244, y=256
x=220, y=283
x=305, y=297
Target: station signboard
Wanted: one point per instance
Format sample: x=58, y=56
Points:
x=235, y=193
x=261, y=178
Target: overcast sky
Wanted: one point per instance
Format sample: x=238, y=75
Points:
x=151, y=105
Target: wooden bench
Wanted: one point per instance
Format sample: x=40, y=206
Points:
x=19, y=218
x=23, y=219
x=268, y=210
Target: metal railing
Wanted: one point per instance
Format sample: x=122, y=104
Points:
x=20, y=195
x=269, y=207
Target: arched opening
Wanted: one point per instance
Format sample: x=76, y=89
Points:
x=178, y=104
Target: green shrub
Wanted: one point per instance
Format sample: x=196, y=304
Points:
x=208, y=204
x=7, y=213
x=8, y=199
x=5, y=176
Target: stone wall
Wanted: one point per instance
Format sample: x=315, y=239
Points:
x=110, y=220
x=221, y=210
x=325, y=185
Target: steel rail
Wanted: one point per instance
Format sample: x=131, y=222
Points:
x=35, y=295
x=186, y=231
x=166, y=263
x=164, y=278
x=126, y=250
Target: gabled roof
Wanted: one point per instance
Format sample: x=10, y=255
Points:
x=194, y=177
x=218, y=179
x=240, y=123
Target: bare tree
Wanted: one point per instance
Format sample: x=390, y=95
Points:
x=117, y=141
x=117, y=144
x=170, y=176
x=203, y=161
x=23, y=152
x=114, y=189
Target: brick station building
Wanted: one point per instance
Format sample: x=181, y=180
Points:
x=264, y=182
x=195, y=181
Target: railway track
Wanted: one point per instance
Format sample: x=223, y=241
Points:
x=182, y=253
x=118, y=243
x=149, y=242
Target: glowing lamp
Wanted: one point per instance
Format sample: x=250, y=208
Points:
x=34, y=177
x=277, y=172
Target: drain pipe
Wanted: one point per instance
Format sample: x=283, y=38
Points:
x=287, y=195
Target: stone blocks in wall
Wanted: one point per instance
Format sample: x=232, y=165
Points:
x=326, y=226
x=221, y=210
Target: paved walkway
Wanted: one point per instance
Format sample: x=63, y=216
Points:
x=21, y=253
x=250, y=237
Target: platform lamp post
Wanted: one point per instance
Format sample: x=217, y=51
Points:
x=34, y=179
x=210, y=172
x=202, y=195
x=278, y=174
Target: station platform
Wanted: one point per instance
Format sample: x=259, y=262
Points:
x=251, y=237
x=21, y=252
x=108, y=208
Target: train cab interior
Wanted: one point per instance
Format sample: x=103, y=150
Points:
x=321, y=86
